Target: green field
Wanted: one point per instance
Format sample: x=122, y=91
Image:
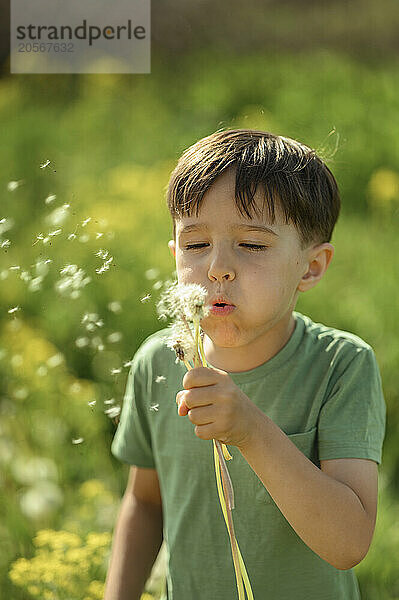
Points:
x=112, y=141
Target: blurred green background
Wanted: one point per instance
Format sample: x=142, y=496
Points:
x=324, y=73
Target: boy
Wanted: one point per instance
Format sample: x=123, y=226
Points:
x=299, y=404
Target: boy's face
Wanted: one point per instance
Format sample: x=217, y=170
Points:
x=259, y=272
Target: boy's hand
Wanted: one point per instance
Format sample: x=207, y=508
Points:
x=217, y=407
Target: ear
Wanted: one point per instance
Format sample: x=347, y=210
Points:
x=317, y=262
x=172, y=247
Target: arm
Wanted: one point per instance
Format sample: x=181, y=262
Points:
x=333, y=510
x=137, y=537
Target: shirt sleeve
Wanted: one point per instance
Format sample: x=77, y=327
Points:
x=352, y=420
x=132, y=440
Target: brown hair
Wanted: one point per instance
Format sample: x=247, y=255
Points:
x=289, y=172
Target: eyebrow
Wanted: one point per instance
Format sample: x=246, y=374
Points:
x=261, y=228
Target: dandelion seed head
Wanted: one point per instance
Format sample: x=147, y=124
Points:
x=181, y=341
x=183, y=300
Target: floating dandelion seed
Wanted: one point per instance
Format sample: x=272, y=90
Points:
x=50, y=198
x=97, y=343
x=110, y=401
x=6, y=244
x=102, y=253
x=91, y=321
x=145, y=298
x=71, y=282
x=72, y=236
x=116, y=371
x=84, y=238
x=58, y=215
x=13, y=185
x=160, y=378
x=84, y=223
x=98, y=235
x=151, y=273
x=55, y=360
x=154, y=407
x=42, y=371
x=45, y=164
x=157, y=285
x=128, y=363
x=114, y=337
x=14, y=268
x=113, y=412
x=78, y=441
x=92, y=403
x=14, y=310
x=115, y=306
x=81, y=342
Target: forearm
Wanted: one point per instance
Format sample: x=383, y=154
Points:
x=136, y=543
x=325, y=513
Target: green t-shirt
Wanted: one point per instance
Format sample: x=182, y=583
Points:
x=323, y=389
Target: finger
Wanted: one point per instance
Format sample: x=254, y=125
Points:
x=182, y=410
x=195, y=397
x=204, y=432
x=204, y=415
x=202, y=376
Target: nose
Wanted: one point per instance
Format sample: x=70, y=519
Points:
x=220, y=268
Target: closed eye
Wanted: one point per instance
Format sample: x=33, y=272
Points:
x=252, y=247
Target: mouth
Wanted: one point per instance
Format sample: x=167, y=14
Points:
x=222, y=308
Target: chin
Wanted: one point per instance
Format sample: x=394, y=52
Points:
x=224, y=336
